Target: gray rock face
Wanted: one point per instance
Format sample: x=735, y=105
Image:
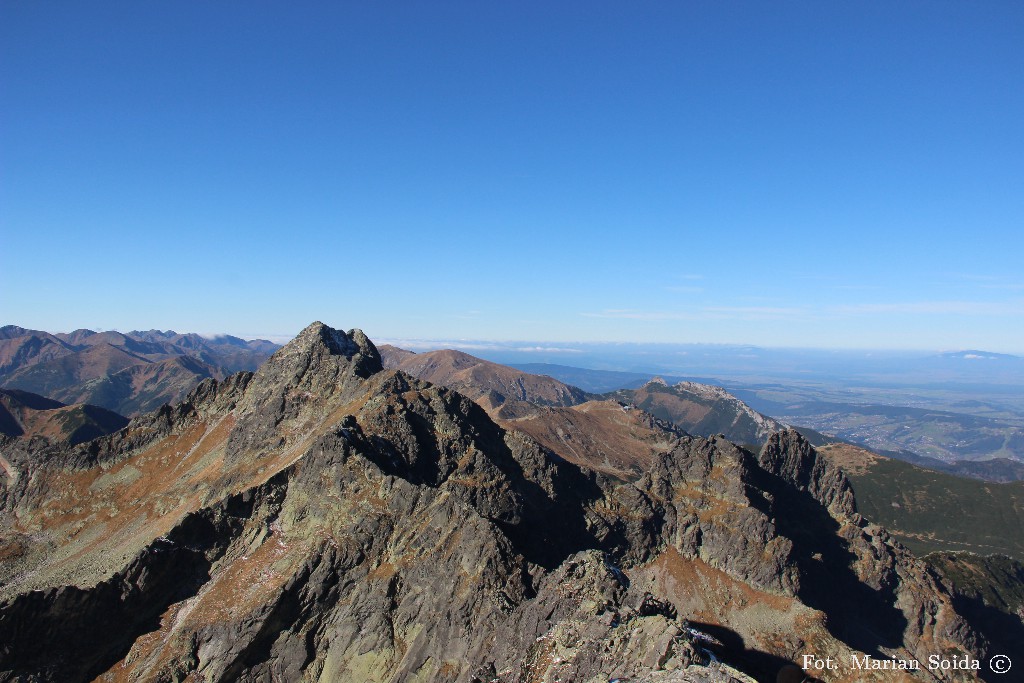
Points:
x=791, y=457
x=329, y=520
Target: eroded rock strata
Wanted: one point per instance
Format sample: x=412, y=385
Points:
x=325, y=519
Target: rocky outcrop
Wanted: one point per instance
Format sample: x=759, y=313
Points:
x=329, y=520
x=788, y=455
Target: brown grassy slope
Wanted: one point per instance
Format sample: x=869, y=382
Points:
x=484, y=381
x=601, y=435
x=392, y=356
x=23, y=414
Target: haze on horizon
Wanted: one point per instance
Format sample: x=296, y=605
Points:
x=786, y=175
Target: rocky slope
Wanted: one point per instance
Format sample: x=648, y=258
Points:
x=605, y=436
x=989, y=589
x=701, y=409
x=128, y=373
x=325, y=519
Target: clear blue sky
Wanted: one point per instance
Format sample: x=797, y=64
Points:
x=831, y=174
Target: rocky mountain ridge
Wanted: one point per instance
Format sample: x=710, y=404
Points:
x=702, y=409
x=326, y=519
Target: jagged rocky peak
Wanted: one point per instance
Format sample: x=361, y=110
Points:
x=709, y=391
x=211, y=397
x=789, y=455
x=353, y=345
x=318, y=371
x=322, y=351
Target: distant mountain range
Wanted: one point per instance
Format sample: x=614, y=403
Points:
x=128, y=373
x=983, y=439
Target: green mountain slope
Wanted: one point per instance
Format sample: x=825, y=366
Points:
x=932, y=511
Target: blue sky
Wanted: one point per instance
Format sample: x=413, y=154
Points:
x=816, y=174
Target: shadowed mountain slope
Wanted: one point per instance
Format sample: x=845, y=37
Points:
x=326, y=519
x=987, y=589
x=29, y=415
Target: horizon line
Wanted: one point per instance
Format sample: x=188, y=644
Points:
x=553, y=346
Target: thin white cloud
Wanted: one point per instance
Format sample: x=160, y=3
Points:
x=986, y=308
x=757, y=312
x=975, y=277
x=706, y=313
x=988, y=281
x=857, y=288
x=433, y=344
x=1011, y=286
x=626, y=314
x=964, y=308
